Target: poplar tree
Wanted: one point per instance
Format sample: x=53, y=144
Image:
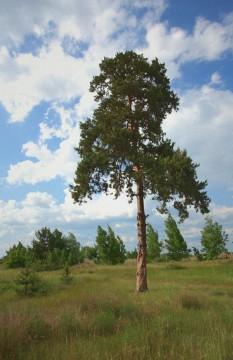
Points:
x=124, y=149
x=110, y=248
x=213, y=239
x=154, y=247
x=175, y=243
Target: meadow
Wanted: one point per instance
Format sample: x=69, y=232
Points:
x=187, y=314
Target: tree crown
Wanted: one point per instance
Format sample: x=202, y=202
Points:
x=175, y=243
x=124, y=143
x=213, y=238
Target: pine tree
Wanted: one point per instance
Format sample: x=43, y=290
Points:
x=28, y=283
x=124, y=149
x=66, y=277
x=175, y=243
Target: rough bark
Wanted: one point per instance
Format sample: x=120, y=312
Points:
x=141, y=279
x=141, y=285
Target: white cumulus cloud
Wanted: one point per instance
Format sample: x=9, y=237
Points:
x=203, y=126
x=47, y=164
x=176, y=46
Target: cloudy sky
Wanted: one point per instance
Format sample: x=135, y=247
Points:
x=49, y=52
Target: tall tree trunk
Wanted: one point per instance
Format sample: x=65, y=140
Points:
x=141, y=281
x=141, y=285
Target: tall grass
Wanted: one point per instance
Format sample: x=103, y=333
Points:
x=187, y=314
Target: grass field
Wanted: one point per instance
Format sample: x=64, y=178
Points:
x=187, y=314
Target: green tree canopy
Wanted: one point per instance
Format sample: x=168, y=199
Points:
x=154, y=247
x=54, y=249
x=16, y=256
x=132, y=254
x=49, y=250
x=213, y=238
x=89, y=252
x=47, y=241
x=110, y=248
x=73, y=252
x=175, y=243
x=124, y=149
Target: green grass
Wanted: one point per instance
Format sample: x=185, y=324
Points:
x=187, y=314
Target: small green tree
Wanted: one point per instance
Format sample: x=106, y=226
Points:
x=175, y=243
x=213, y=239
x=110, y=248
x=28, y=283
x=66, y=277
x=154, y=247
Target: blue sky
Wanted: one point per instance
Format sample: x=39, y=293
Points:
x=49, y=52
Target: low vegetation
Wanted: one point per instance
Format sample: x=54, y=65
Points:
x=187, y=314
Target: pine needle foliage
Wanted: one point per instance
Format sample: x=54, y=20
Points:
x=124, y=149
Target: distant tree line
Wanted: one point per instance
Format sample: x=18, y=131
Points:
x=52, y=250
x=49, y=250
x=174, y=247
